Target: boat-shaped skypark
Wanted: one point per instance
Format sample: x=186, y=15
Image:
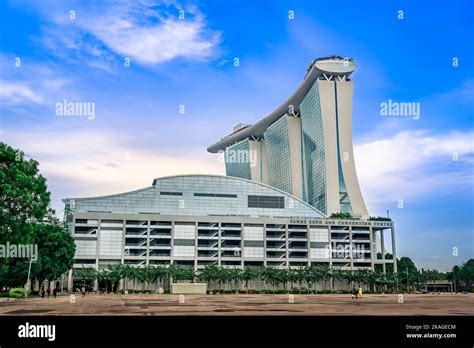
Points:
x=304, y=147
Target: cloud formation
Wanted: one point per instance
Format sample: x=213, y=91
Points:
x=414, y=164
x=28, y=83
x=147, y=32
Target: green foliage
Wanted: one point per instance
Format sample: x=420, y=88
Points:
x=405, y=264
x=24, y=198
x=341, y=215
x=26, y=219
x=18, y=293
x=56, y=252
x=466, y=271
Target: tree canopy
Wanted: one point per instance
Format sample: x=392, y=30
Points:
x=25, y=218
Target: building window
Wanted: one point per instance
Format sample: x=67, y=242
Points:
x=271, y=202
x=171, y=193
x=221, y=195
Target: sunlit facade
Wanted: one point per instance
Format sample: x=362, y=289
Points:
x=197, y=220
x=305, y=146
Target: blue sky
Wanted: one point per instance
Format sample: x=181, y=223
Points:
x=138, y=132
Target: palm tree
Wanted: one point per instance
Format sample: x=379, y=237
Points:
x=222, y=277
x=235, y=275
x=248, y=274
x=178, y=273
x=349, y=276
x=85, y=274
x=144, y=275
x=300, y=276
x=115, y=274
x=326, y=274
x=292, y=277
x=372, y=279
x=159, y=274
x=337, y=274
x=283, y=277
x=208, y=274
x=172, y=273
x=134, y=274
x=267, y=274
x=313, y=276
x=103, y=274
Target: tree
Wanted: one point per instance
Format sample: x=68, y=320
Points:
x=235, y=275
x=282, y=277
x=408, y=273
x=341, y=215
x=248, y=275
x=300, y=276
x=454, y=277
x=221, y=277
x=24, y=198
x=466, y=273
x=325, y=273
x=24, y=201
x=56, y=252
x=160, y=274
x=115, y=274
x=85, y=274
x=208, y=274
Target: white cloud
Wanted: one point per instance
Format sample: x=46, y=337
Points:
x=29, y=83
x=104, y=163
x=18, y=93
x=146, y=32
x=414, y=164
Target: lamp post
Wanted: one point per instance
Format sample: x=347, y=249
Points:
x=27, y=285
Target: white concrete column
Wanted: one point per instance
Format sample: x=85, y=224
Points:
x=382, y=246
x=69, y=281
x=394, y=248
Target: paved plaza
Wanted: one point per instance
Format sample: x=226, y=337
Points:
x=192, y=305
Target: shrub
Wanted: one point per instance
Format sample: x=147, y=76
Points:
x=18, y=293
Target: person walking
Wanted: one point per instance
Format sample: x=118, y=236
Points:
x=360, y=291
x=42, y=291
x=54, y=292
x=354, y=292
x=83, y=291
x=49, y=291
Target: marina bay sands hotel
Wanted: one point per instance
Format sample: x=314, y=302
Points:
x=304, y=147
x=286, y=175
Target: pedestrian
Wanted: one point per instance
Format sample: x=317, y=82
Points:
x=54, y=292
x=354, y=292
x=360, y=291
x=42, y=291
x=49, y=291
x=83, y=291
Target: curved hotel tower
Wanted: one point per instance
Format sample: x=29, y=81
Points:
x=304, y=147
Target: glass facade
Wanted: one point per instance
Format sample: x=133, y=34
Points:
x=200, y=195
x=313, y=149
x=237, y=160
x=277, y=152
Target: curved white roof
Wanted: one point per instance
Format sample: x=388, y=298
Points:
x=197, y=195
